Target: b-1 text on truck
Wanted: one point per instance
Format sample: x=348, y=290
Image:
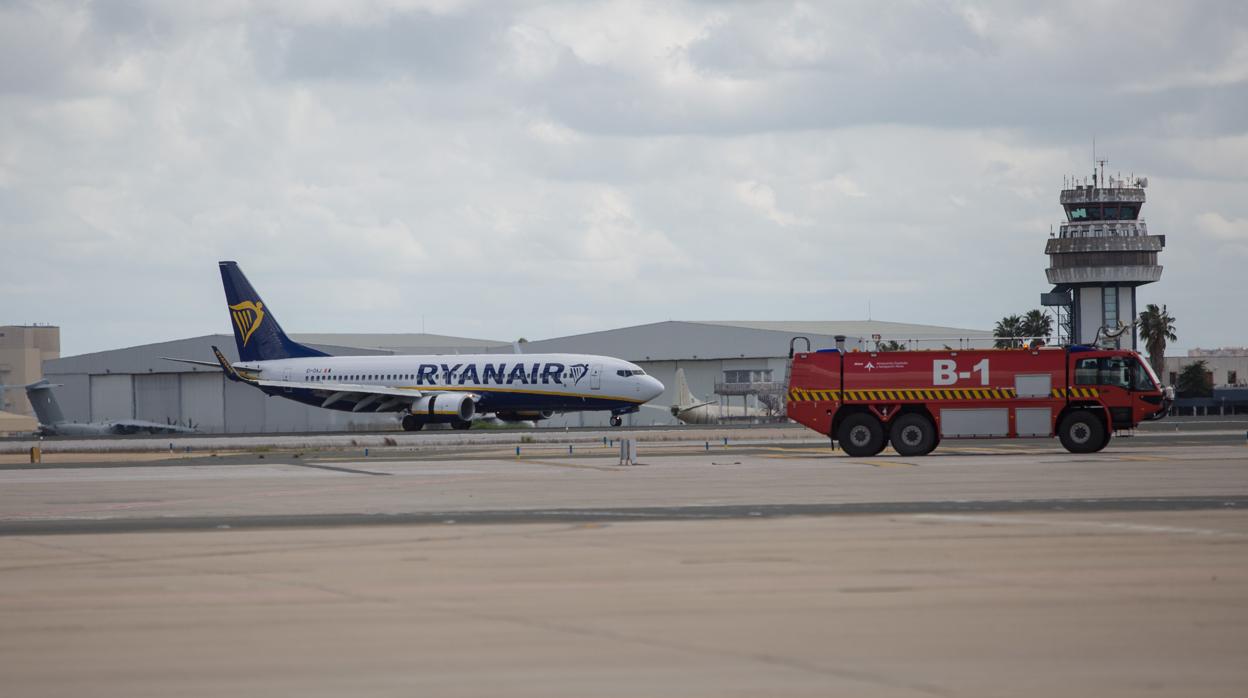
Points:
x=866, y=400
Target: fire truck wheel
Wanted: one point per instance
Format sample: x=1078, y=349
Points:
x=861, y=435
x=913, y=435
x=1081, y=432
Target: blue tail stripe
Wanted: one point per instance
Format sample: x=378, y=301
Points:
x=256, y=332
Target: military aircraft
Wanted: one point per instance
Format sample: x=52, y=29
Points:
x=690, y=409
x=52, y=421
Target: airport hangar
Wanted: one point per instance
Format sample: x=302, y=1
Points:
x=731, y=362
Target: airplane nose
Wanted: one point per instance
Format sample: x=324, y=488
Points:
x=653, y=388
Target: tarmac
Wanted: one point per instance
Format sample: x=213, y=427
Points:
x=764, y=567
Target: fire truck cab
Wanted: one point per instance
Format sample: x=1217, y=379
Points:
x=913, y=399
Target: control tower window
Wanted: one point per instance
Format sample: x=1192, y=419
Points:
x=1106, y=212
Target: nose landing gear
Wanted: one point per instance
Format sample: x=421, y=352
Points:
x=616, y=420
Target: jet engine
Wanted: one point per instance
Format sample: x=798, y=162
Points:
x=444, y=407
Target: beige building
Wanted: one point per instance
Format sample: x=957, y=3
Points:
x=23, y=349
x=1228, y=366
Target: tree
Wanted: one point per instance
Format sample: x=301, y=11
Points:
x=890, y=345
x=1156, y=326
x=1194, y=380
x=1007, y=331
x=1037, y=323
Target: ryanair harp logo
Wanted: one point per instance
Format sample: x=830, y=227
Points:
x=247, y=317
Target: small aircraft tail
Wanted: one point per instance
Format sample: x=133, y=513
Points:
x=684, y=397
x=46, y=408
x=256, y=332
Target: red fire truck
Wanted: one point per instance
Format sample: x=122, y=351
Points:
x=865, y=400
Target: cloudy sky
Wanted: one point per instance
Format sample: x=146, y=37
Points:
x=502, y=169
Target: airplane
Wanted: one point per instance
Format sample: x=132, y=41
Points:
x=52, y=421
x=690, y=409
x=422, y=390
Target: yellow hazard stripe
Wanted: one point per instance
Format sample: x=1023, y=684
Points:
x=804, y=395
x=1084, y=393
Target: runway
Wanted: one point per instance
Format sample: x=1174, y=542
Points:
x=764, y=567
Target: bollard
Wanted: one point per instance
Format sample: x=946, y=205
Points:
x=628, y=452
x=708, y=445
x=366, y=453
x=725, y=440
x=517, y=451
x=36, y=454
x=171, y=447
x=604, y=441
x=188, y=449
x=569, y=449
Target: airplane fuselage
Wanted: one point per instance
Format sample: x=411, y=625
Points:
x=501, y=383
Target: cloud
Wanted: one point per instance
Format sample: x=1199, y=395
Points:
x=1229, y=233
x=529, y=168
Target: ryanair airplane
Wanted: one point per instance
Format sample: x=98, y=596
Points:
x=423, y=390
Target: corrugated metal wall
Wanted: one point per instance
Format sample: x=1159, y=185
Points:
x=156, y=397
x=202, y=401
x=112, y=397
x=244, y=408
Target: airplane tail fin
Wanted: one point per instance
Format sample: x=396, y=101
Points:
x=256, y=332
x=684, y=397
x=46, y=408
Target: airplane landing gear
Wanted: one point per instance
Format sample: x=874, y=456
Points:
x=410, y=423
x=461, y=424
x=616, y=420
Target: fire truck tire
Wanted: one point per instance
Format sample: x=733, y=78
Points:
x=861, y=435
x=913, y=435
x=1081, y=432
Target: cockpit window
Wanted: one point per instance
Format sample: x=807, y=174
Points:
x=625, y=372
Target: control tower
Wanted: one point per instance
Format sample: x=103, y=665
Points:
x=1101, y=254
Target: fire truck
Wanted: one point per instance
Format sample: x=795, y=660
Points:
x=865, y=400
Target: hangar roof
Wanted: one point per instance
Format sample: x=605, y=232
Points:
x=685, y=340
x=404, y=343
x=856, y=328
x=660, y=341
x=147, y=358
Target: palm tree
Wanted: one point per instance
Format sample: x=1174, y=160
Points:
x=1038, y=324
x=1007, y=330
x=1156, y=326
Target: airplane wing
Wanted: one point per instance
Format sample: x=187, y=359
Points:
x=214, y=364
x=379, y=398
x=138, y=426
x=374, y=398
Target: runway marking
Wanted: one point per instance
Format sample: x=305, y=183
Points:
x=578, y=466
x=1143, y=458
x=340, y=469
x=779, y=449
x=887, y=463
x=1023, y=521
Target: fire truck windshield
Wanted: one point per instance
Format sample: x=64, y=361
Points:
x=1109, y=370
x=1145, y=378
